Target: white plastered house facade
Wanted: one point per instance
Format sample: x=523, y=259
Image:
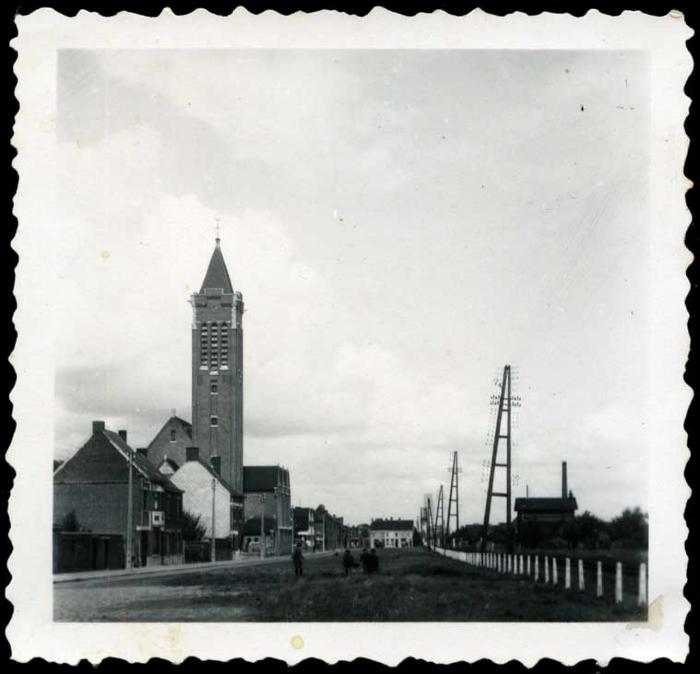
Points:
x=205, y=494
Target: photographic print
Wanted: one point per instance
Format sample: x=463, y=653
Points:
x=371, y=333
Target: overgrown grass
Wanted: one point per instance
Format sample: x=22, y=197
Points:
x=412, y=585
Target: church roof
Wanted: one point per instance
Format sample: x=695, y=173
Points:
x=217, y=274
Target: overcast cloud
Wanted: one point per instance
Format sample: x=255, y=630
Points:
x=401, y=225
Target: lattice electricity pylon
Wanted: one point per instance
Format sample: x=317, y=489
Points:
x=429, y=520
x=440, y=518
x=454, y=497
x=504, y=407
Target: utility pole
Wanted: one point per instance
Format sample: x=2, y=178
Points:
x=440, y=517
x=130, y=514
x=262, y=525
x=213, y=519
x=454, y=496
x=429, y=522
x=505, y=404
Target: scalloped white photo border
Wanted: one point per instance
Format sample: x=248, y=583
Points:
x=32, y=631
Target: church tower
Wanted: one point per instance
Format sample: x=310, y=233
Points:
x=217, y=371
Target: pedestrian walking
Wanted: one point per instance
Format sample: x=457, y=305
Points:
x=364, y=560
x=373, y=563
x=348, y=561
x=298, y=560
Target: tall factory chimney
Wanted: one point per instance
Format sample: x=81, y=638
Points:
x=564, y=486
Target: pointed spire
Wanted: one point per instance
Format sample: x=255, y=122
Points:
x=217, y=274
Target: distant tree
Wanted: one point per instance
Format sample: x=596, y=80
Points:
x=417, y=542
x=570, y=533
x=70, y=522
x=630, y=529
x=589, y=529
x=192, y=527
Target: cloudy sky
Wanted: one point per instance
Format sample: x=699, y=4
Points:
x=401, y=225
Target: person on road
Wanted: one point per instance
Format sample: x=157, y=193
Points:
x=373, y=562
x=364, y=560
x=348, y=561
x=298, y=559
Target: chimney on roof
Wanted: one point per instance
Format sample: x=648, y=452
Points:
x=216, y=464
x=564, y=487
x=98, y=426
x=192, y=454
x=141, y=451
x=122, y=435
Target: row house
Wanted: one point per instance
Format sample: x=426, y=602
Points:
x=305, y=527
x=91, y=507
x=210, y=497
x=331, y=533
x=268, y=510
x=391, y=533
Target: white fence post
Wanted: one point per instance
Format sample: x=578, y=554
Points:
x=581, y=578
x=546, y=569
x=537, y=568
x=520, y=565
x=567, y=574
x=642, y=600
x=555, y=572
x=618, y=582
x=528, y=565
x=599, y=580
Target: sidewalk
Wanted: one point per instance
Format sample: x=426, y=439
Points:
x=175, y=569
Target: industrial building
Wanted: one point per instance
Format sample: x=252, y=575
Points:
x=542, y=518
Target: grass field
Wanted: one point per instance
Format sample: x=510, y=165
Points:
x=413, y=585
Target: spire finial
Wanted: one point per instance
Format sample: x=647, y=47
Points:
x=218, y=232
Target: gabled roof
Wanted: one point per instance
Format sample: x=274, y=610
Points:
x=392, y=525
x=91, y=464
x=141, y=463
x=264, y=478
x=546, y=505
x=217, y=274
x=185, y=425
x=170, y=463
x=226, y=485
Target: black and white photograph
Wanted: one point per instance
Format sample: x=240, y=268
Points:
x=357, y=334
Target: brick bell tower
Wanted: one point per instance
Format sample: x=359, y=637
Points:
x=217, y=370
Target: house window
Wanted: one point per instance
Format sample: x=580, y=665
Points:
x=172, y=435
x=215, y=421
x=214, y=388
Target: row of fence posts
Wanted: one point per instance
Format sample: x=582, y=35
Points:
x=524, y=565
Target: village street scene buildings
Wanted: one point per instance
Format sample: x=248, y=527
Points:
x=187, y=497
